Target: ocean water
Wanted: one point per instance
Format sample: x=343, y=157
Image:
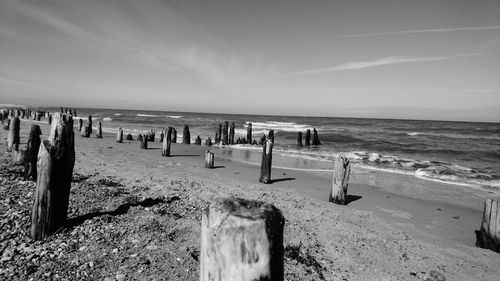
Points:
x=466, y=153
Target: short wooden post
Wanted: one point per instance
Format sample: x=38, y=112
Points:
x=144, y=142
x=198, y=140
x=341, y=172
x=308, y=138
x=209, y=160
x=32, y=148
x=167, y=142
x=38, y=116
x=489, y=234
x=119, y=135
x=267, y=156
x=50, y=119
x=174, y=135
x=315, y=140
x=231, y=134
x=208, y=142
x=299, y=139
x=129, y=137
x=56, y=160
x=225, y=129
x=99, y=130
x=80, y=125
x=186, y=136
x=249, y=133
x=13, y=137
x=241, y=240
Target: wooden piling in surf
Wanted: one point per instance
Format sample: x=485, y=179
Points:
x=299, y=139
x=99, y=130
x=174, y=135
x=218, y=134
x=308, y=138
x=49, y=120
x=315, y=140
x=225, y=129
x=119, y=135
x=129, y=137
x=209, y=160
x=144, y=142
x=13, y=137
x=167, y=142
x=249, y=132
x=56, y=160
x=267, y=156
x=231, y=134
x=241, y=240
x=489, y=233
x=197, y=141
x=186, y=136
x=80, y=125
x=90, y=126
x=340, y=182
x=30, y=159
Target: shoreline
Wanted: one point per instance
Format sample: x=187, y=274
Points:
x=392, y=215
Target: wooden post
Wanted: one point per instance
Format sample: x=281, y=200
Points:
x=174, y=135
x=99, y=130
x=231, y=134
x=267, y=157
x=56, y=160
x=90, y=126
x=209, y=160
x=341, y=172
x=198, y=140
x=489, y=234
x=32, y=148
x=186, y=136
x=299, y=139
x=129, y=137
x=50, y=119
x=18, y=157
x=6, y=126
x=241, y=240
x=162, y=135
x=167, y=142
x=218, y=134
x=208, y=142
x=308, y=138
x=119, y=135
x=249, y=133
x=144, y=142
x=13, y=137
x=225, y=133
x=315, y=140
x=80, y=124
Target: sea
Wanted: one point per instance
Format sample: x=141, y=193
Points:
x=464, y=153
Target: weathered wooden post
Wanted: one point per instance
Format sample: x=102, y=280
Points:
x=74, y=112
x=218, y=134
x=308, y=138
x=209, y=160
x=38, y=116
x=90, y=126
x=18, y=157
x=56, y=160
x=231, y=134
x=299, y=139
x=186, y=136
x=162, y=135
x=99, y=130
x=249, y=133
x=32, y=148
x=174, y=135
x=119, y=135
x=129, y=137
x=198, y=140
x=208, y=142
x=167, y=142
x=267, y=156
x=13, y=137
x=144, y=142
x=341, y=172
x=225, y=129
x=6, y=126
x=489, y=234
x=241, y=240
x=315, y=140
x=80, y=124
x=50, y=119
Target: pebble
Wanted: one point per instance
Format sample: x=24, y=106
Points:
x=437, y=276
x=120, y=277
x=143, y=260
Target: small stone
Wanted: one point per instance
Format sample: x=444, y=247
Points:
x=91, y=264
x=456, y=216
x=120, y=277
x=437, y=276
x=143, y=260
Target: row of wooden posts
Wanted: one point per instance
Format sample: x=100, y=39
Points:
x=237, y=235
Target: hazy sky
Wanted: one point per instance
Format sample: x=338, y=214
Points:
x=385, y=58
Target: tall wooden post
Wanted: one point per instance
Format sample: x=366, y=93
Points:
x=341, y=172
x=489, y=234
x=249, y=133
x=225, y=133
x=299, y=139
x=167, y=142
x=308, y=138
x=80, y=124
x=218, y=134
x=144, y=142
x=32, y=148
x=241, y=240
x=267, y=157
x=315, y=140
x=13, y=137
x=119, y=135
x=209, y=160
x=99, y=130
x=231, y=134
x=50, y=119
x=186, y=136
x=174, y=135
x=56, y=160
x=90, y=126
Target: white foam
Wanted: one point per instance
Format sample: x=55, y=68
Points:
x=277, y=126
x=107, y=119
x=146, y=115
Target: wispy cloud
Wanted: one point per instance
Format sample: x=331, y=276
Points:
x=416, y=31
x=374, y=63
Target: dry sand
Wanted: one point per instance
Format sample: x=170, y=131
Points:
x=397, y=227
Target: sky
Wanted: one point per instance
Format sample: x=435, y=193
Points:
x=405, y=59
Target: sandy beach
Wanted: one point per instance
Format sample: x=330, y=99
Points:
x=395, y=227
